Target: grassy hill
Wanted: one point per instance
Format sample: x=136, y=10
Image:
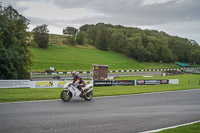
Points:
x=81, y=58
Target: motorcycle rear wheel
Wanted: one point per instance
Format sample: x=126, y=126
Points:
x=66, y=95
x=88, y=96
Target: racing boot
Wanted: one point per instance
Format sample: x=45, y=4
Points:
x=82, y=93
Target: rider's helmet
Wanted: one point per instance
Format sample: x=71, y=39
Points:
x=74, y=73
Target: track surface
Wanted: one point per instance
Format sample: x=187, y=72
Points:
x=132, y=113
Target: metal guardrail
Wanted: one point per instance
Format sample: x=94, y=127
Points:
x=193, y=70
x=114, y=71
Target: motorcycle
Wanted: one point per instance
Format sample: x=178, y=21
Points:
x=71, y=91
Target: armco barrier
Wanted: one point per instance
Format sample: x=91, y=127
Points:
x=152, y=82
x=129, y=82
x=134, y=82
x=51, y=84
x=31, y=84
x=123, y=82
x=60, y=84
x=114, y=71
x=47, y=84
x=103, y=83
x=14, y=83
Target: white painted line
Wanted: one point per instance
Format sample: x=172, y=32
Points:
x=158, y=130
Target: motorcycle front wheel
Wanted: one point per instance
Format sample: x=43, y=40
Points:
x=66, y=95
x=88, y=96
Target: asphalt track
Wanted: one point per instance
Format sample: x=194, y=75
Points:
x=118, y=114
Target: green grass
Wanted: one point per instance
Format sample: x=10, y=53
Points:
x=193, y=128
x=121, y=90
x=27, y=94
x=13, y=95
x=81, y=58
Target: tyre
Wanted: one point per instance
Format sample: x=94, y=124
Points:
x=66, y=95
x=88, y=96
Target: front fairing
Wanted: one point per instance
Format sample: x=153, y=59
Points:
x=66, y=85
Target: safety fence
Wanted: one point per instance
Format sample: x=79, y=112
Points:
x=135, y=82
x=31, y=84
x=114, y=71
x=60, y=84
x=193, y=70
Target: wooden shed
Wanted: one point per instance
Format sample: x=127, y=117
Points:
x=99, y=72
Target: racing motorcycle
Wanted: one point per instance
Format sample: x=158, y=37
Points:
x=71, y=91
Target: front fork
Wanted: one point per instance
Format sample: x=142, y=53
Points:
x=88, y=90
x=67, y=90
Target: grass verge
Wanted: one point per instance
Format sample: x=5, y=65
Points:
x=124, y=90
x=193, y=128
x=14, y=95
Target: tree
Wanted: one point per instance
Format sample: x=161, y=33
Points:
x=15, y=54
x=195, y=57
x=92, y=33
x=118, y=40
x=70, y=31
x=137, y=49
x=151, y=53
x=80, y=38
x=181, y=48
x=103, y=37
x=41, y=36
x=84, y=27
x=165, y=54
x=71, y=40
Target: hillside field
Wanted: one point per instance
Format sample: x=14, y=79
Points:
x=80, y=58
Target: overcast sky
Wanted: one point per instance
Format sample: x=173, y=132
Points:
x=175, y=17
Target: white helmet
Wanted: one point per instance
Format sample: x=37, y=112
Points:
x=74, y=73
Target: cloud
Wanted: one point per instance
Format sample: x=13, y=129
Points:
x=188, y=30
x=176, y=17
x=139, y=12
x=52, y=12
x=152, y=2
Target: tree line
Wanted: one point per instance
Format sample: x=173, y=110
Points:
x=142, y=45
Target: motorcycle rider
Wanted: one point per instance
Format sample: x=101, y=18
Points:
x=79, y=82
